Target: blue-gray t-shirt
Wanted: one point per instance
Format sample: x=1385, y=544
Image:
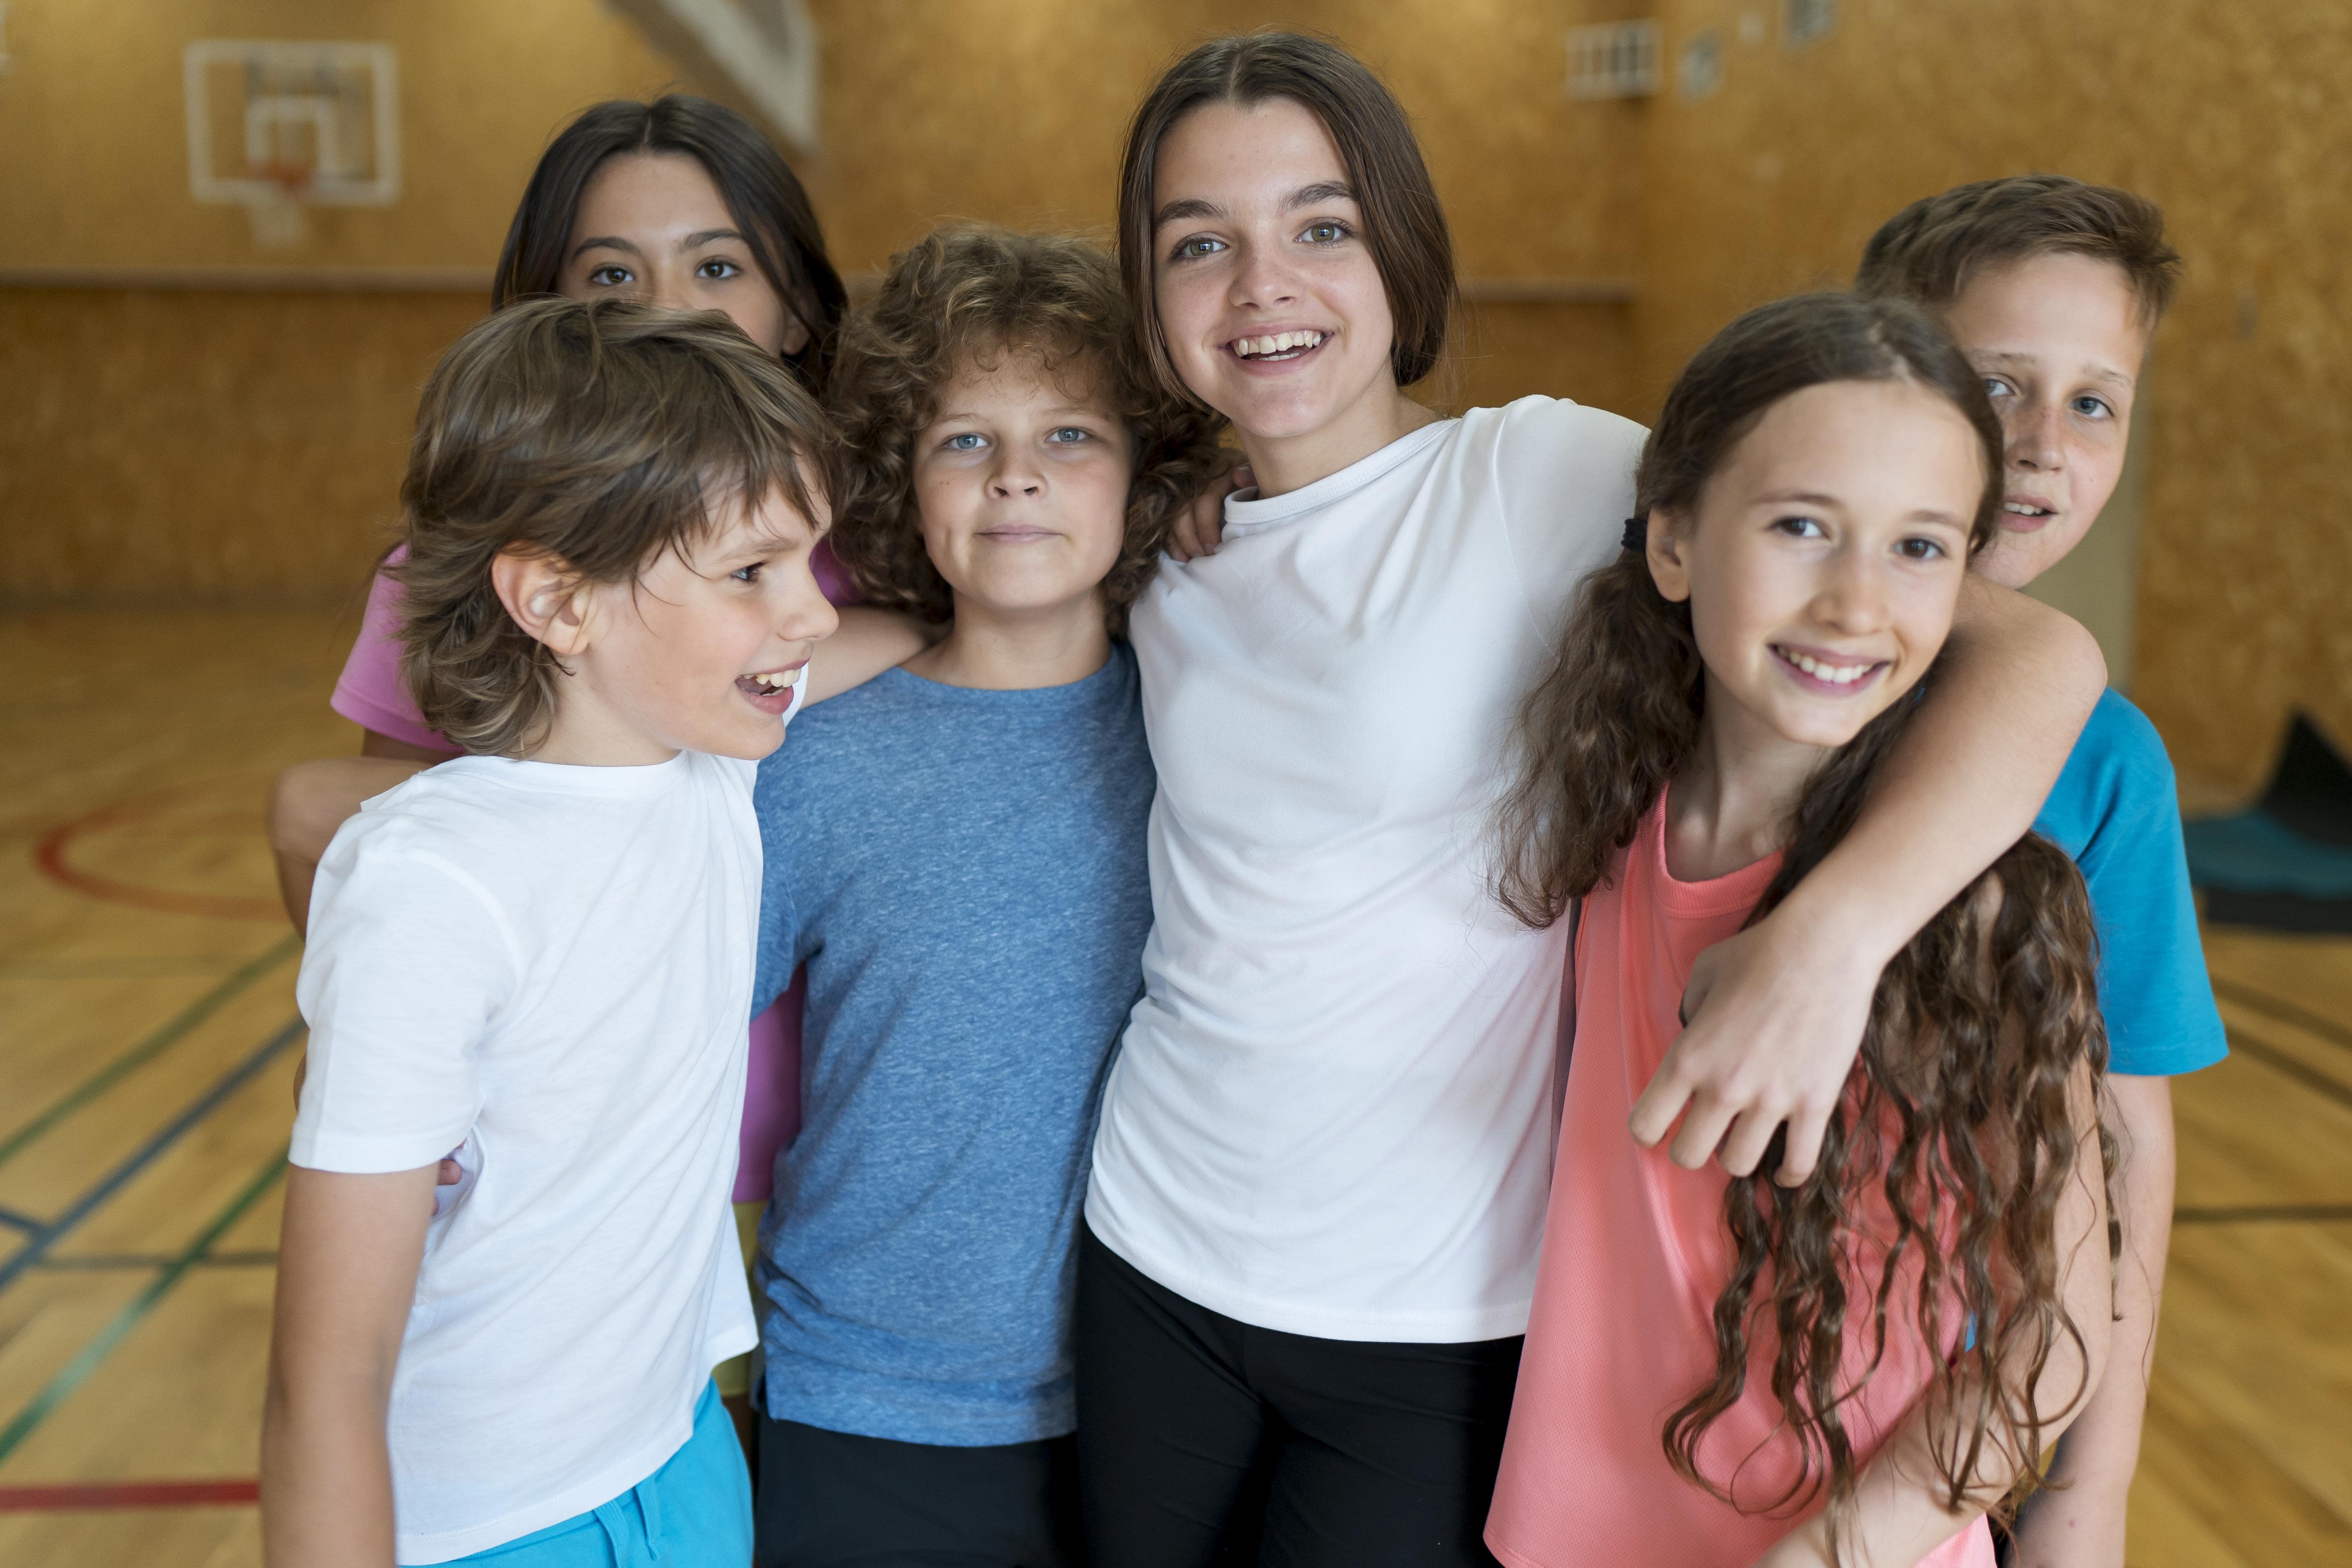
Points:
x=964, y=873
x=2115, y=811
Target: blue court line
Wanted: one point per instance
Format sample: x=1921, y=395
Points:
x=147, y=1153
x=20, y=1221
x=74, y=1373
x=172, y=1031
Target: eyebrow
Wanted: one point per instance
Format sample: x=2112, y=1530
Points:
x=2094, y=371
x=693, y=241
x=1189, y=208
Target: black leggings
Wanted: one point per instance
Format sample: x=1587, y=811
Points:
x=1204, y=1440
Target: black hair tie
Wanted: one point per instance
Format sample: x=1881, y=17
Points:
x=1637, y=535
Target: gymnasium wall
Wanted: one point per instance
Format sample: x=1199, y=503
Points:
x=2230, y=116
x=177, y=444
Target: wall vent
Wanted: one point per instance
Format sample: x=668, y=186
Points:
x=1614, y=59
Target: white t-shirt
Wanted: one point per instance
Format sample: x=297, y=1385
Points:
x=552, y=966
x=1330, y=1115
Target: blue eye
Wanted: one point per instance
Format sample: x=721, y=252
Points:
x=2091, y=407
x=1068, y=436
x=748, y=573
x=970, y=441
x=1996, y=387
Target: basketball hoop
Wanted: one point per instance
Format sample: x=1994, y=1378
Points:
x=281, y=190
x=318, y=124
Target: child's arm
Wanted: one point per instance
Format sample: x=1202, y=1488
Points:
x=868, y=642
x=308, y=802
x=2079, y=1524
x=349, y=1250
x=1899, y=1515
x=1775, y=1013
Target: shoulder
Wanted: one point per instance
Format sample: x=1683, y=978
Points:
x=1538, y=429
x=2118, y=769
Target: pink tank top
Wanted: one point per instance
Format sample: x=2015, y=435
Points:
x=369, y=694
x=1634, y=1254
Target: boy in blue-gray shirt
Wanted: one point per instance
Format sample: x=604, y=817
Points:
x=956, y=851
x=2053, y=289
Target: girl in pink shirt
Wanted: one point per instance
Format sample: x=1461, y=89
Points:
x=1721, y=1372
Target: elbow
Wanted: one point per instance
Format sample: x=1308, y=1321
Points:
x=302, y=815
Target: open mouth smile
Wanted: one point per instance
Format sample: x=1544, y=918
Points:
x=1830, y=677
x=770, y=691
x=2026, y=514
x=1279, y=348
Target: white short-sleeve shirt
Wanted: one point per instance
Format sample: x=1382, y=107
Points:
x=1332, y=1114
x=552, y=966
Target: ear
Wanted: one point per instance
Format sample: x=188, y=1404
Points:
x=1668, y=540
x=547, y=600
x=798, y=313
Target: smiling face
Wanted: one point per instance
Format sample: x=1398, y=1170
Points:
x=1022, y=480
x=651, y=226
x=1826, y=558
x=1273, y=310
x=2059, y=341
x=704, y=649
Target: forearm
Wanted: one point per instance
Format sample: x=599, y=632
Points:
x=2078, y=1520
x=349, y=1251
x=868, y=642
x=2017, y=682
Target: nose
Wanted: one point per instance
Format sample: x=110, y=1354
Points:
x=2032, y=438
x=1015, y=474
x=1852, y=598
x=806, y=614
x=1262, y=281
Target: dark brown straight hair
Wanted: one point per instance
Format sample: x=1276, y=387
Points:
x=595, y=433
x=762, y=193
x=1404, y=227
x=1958, y=1129
x=974, y=295
x=1929, y=252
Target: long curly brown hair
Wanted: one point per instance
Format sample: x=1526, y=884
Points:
x=969, y=295
x=1956, y=1135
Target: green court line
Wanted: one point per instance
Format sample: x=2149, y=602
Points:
x=118, y=1328
x=146, y=1050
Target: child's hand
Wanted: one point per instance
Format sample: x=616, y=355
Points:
x=1773, y=1018
x=1200, y=527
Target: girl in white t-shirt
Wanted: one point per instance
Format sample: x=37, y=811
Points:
x=1321, y=1174
x=540, y=953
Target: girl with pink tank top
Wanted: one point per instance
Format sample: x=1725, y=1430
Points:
x=1719, y=1372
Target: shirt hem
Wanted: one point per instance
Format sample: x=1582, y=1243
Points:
x=812, y=1414
x=387, y=722
x=415, y=1551
x=1461, y=1326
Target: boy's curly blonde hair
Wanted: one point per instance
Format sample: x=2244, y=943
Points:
x=970, y=296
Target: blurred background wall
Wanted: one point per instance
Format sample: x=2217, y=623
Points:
x=188, y=417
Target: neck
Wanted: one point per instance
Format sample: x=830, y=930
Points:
x=1286, y=463
x=1732, y=803
x=993, y=649
x=585, y=732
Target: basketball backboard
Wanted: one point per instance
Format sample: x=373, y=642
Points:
x=273, y=127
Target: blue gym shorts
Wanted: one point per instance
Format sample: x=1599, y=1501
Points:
x=693, y=1512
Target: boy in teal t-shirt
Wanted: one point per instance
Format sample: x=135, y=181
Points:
x=2053, y=289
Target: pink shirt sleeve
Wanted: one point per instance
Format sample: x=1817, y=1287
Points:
x=369, y=692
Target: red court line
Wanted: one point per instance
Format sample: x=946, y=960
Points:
x=50, y=855
x=110, y=1495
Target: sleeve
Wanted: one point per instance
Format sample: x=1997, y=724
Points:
x=407, y=964
x=2153, y=986
x=1565, y=474
x=369, y=692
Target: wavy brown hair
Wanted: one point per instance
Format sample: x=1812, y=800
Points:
x=974, y=295
x=1933, y=248
x=597, y=434
x=1956, y=1135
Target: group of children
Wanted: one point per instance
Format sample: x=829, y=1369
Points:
x=1229, y=930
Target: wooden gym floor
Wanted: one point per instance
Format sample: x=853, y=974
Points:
x=148, y=1040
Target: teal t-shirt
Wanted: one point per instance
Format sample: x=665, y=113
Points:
x=2113, y=809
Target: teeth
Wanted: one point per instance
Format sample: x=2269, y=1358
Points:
x=1278, y=342
x=775, y=679
x=2022, y=509
x=1836, y=674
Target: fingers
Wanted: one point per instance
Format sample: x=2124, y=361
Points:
x=1702, y=1132
x=1750, y=1135
x=1655, y=1113
x=1807, y=1125
x=449, y=1174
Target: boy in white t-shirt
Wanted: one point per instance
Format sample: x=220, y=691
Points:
x=541, y=954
